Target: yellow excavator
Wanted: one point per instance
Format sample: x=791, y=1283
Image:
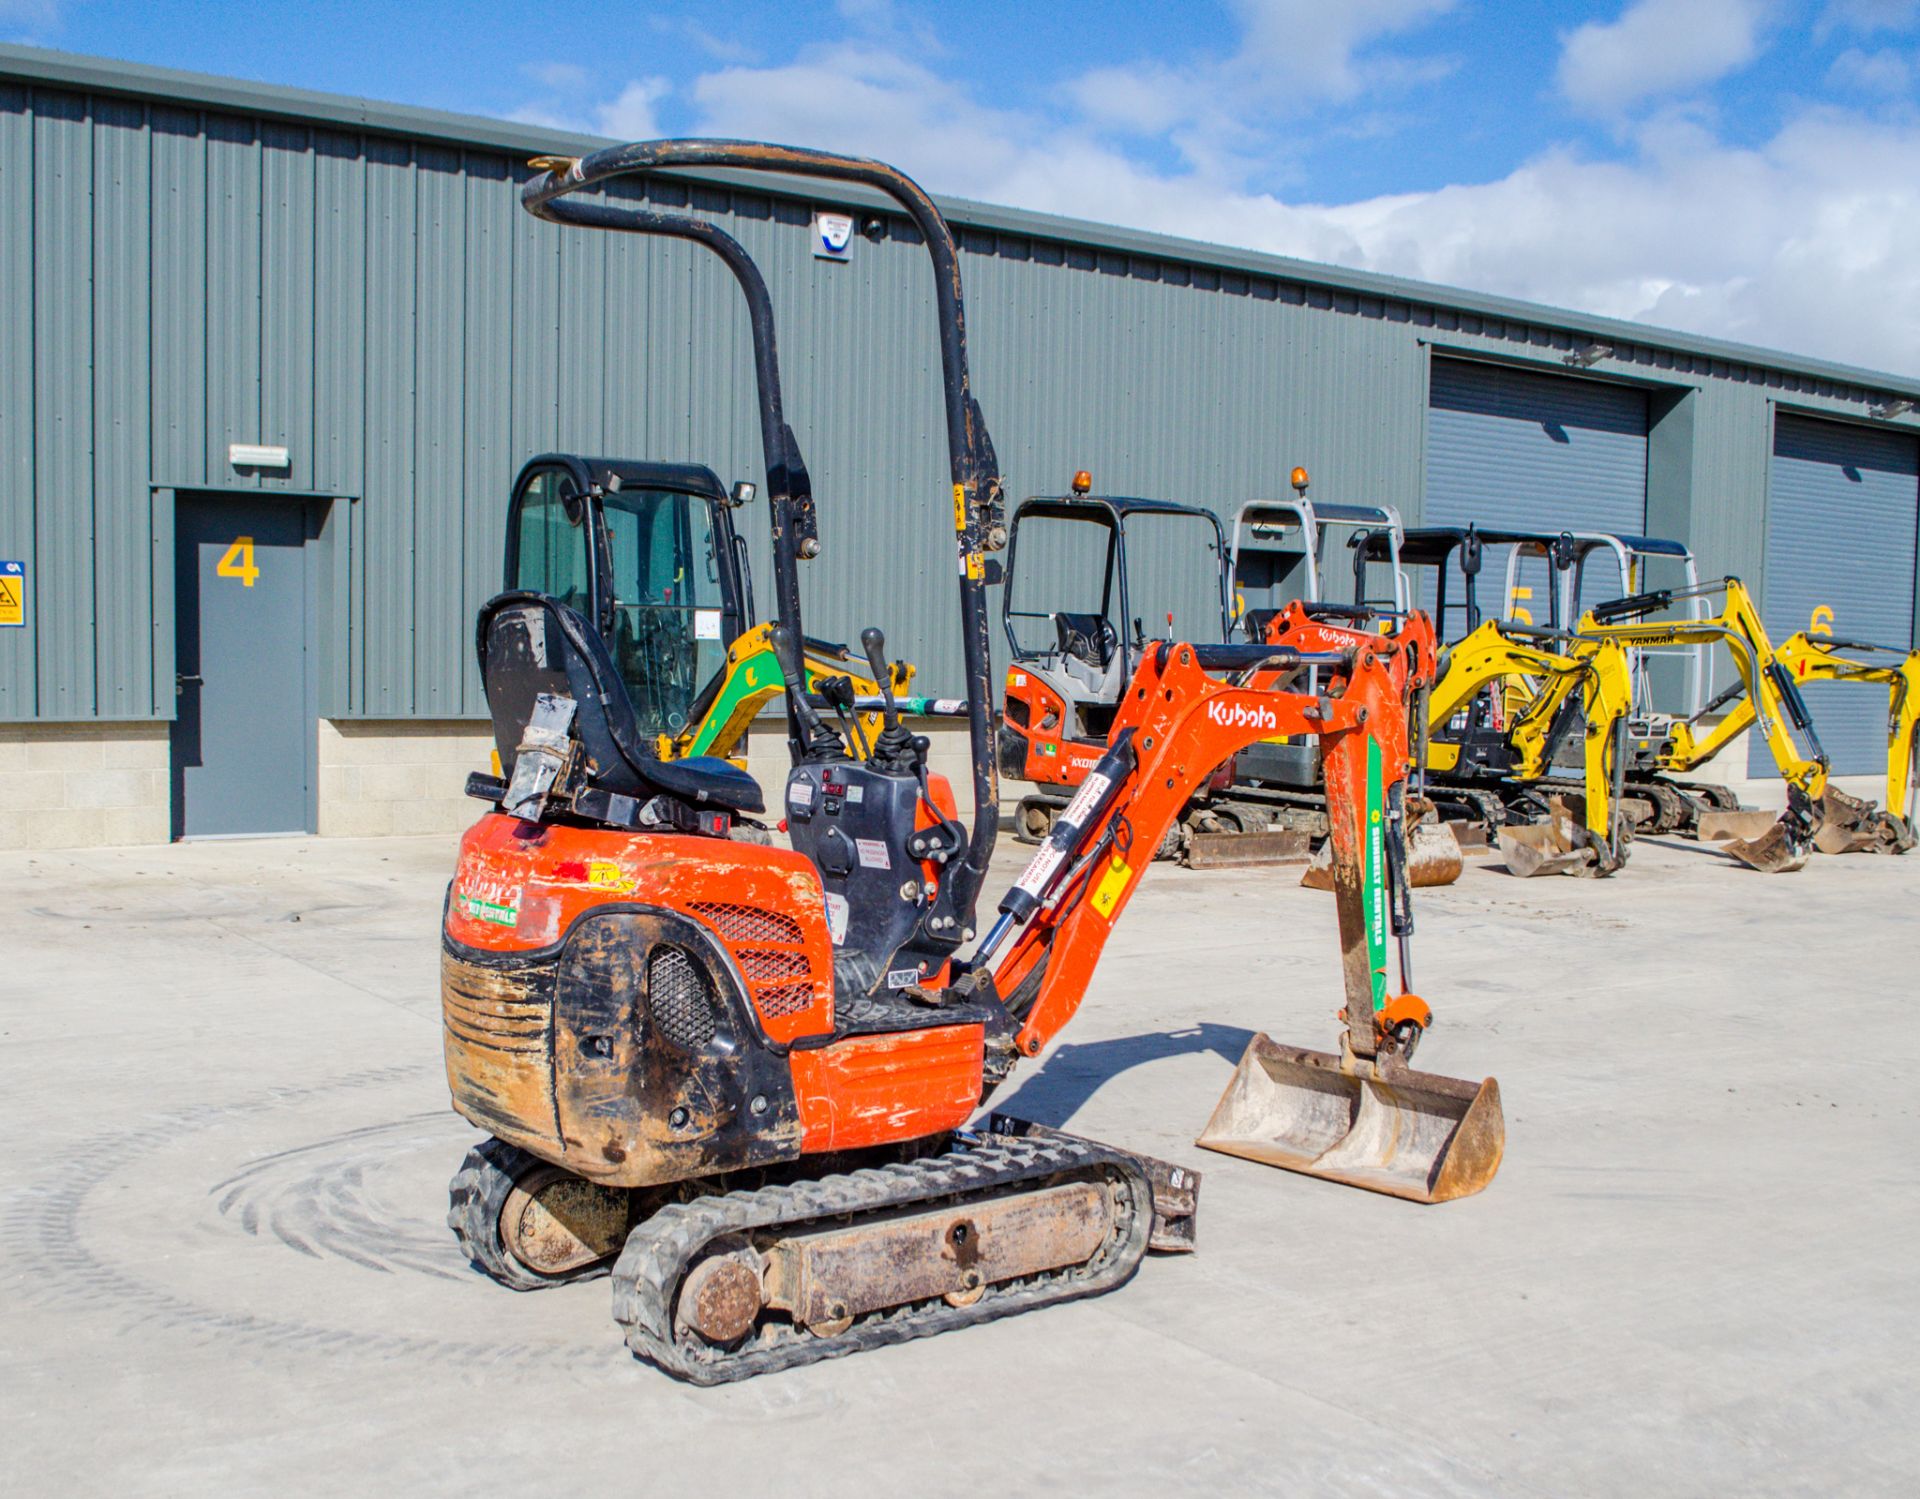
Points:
x=1850, y=825
x=1770, y=702
x=1467, y=757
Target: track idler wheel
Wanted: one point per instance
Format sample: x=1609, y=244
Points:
x=530, y=1225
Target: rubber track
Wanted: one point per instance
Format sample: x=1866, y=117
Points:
x=659, y=1251
x=475, y=1198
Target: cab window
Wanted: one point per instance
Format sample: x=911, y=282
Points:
x=550, y=554
x=668, y=603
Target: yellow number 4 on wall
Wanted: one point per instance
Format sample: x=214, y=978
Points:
x=238, y=562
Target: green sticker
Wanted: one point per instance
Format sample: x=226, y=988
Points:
x=487, y=910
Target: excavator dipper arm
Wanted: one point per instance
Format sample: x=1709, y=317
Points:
x=1175, y=727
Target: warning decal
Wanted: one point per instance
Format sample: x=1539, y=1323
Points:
x=13, y=595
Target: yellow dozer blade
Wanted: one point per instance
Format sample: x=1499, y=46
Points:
x=1378, y=1125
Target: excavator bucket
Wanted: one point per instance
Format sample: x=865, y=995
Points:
x=1433, y=855
x=1533, y=849
x=1378, y=1126
x=1433, y=858
x=1773, y=852
x=1849, y=825
x=1556, y=846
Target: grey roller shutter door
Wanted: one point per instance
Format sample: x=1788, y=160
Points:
x=1843, y=504
x=1515, y=450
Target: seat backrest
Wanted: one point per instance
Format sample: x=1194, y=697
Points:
x=530, y=644
x=1086, y=636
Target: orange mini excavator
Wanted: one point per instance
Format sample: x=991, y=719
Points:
x=738, y=1077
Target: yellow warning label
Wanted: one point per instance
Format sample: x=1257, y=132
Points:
x=13, y=595
x=604, y=874
x=1113, y=884
x=959, y=507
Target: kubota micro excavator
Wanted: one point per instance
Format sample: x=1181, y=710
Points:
x=745, y=1071
x=1069, y=667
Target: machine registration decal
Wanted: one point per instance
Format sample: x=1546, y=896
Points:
x=492, y=900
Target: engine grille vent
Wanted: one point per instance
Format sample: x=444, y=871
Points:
x=768, y=947
x=749, y=923
x=678, y=997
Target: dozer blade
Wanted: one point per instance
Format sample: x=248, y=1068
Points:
x=1226, y=850
x=1714, y=827
x=1433, y=858
x=1380, y=1126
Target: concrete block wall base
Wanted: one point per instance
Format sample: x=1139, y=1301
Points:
x=380, y=777
x=87, y=785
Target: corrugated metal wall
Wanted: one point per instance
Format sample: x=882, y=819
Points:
x=1841, y=534
x=173, y=280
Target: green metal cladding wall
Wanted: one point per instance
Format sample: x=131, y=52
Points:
x=177, y=278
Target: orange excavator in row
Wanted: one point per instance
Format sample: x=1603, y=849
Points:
x=738, y=1078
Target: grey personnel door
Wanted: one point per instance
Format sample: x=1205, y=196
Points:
x=243, y=731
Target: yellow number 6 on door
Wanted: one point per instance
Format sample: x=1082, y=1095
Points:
x=238, y=562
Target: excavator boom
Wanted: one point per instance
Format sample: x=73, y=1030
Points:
x=1362, y=1116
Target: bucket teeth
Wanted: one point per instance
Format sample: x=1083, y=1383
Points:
x=1377, y=1126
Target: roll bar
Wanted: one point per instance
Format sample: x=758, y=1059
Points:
x=979, y=525
x=789, y=489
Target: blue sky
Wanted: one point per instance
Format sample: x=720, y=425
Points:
x=1747, y=168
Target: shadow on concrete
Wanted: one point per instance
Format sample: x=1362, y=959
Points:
x=1076, y=1071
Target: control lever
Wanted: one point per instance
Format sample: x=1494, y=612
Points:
x=895, y=749
x=820, y=742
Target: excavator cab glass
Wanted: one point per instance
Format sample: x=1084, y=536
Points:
x=647, y=552
x=665, y=599
x=553, y=552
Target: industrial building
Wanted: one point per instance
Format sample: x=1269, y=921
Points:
x=324, y=328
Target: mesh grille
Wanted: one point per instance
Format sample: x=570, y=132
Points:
x=678, y=999
x=783, y=999
x=749, y=923
x=770, y=965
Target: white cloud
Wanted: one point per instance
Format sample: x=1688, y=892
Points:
x=1320, y=48
x=632, y=115
x=1865, y=16
x=1883, y=72
x=1658, y=47
x=1803, y=243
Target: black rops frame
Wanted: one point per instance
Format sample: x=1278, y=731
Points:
x=1113, y=513
x=973, y=468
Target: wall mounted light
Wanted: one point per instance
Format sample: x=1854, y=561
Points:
x=1587, y=358
x=1886, y=411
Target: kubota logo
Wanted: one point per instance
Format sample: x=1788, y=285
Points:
x=1240, y=716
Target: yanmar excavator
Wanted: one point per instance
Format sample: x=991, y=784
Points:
x=737, y=1077
x=1772, y=704
x=1809, y=657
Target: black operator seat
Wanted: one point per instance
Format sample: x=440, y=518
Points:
x=531, y=644
x=1087, y=637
